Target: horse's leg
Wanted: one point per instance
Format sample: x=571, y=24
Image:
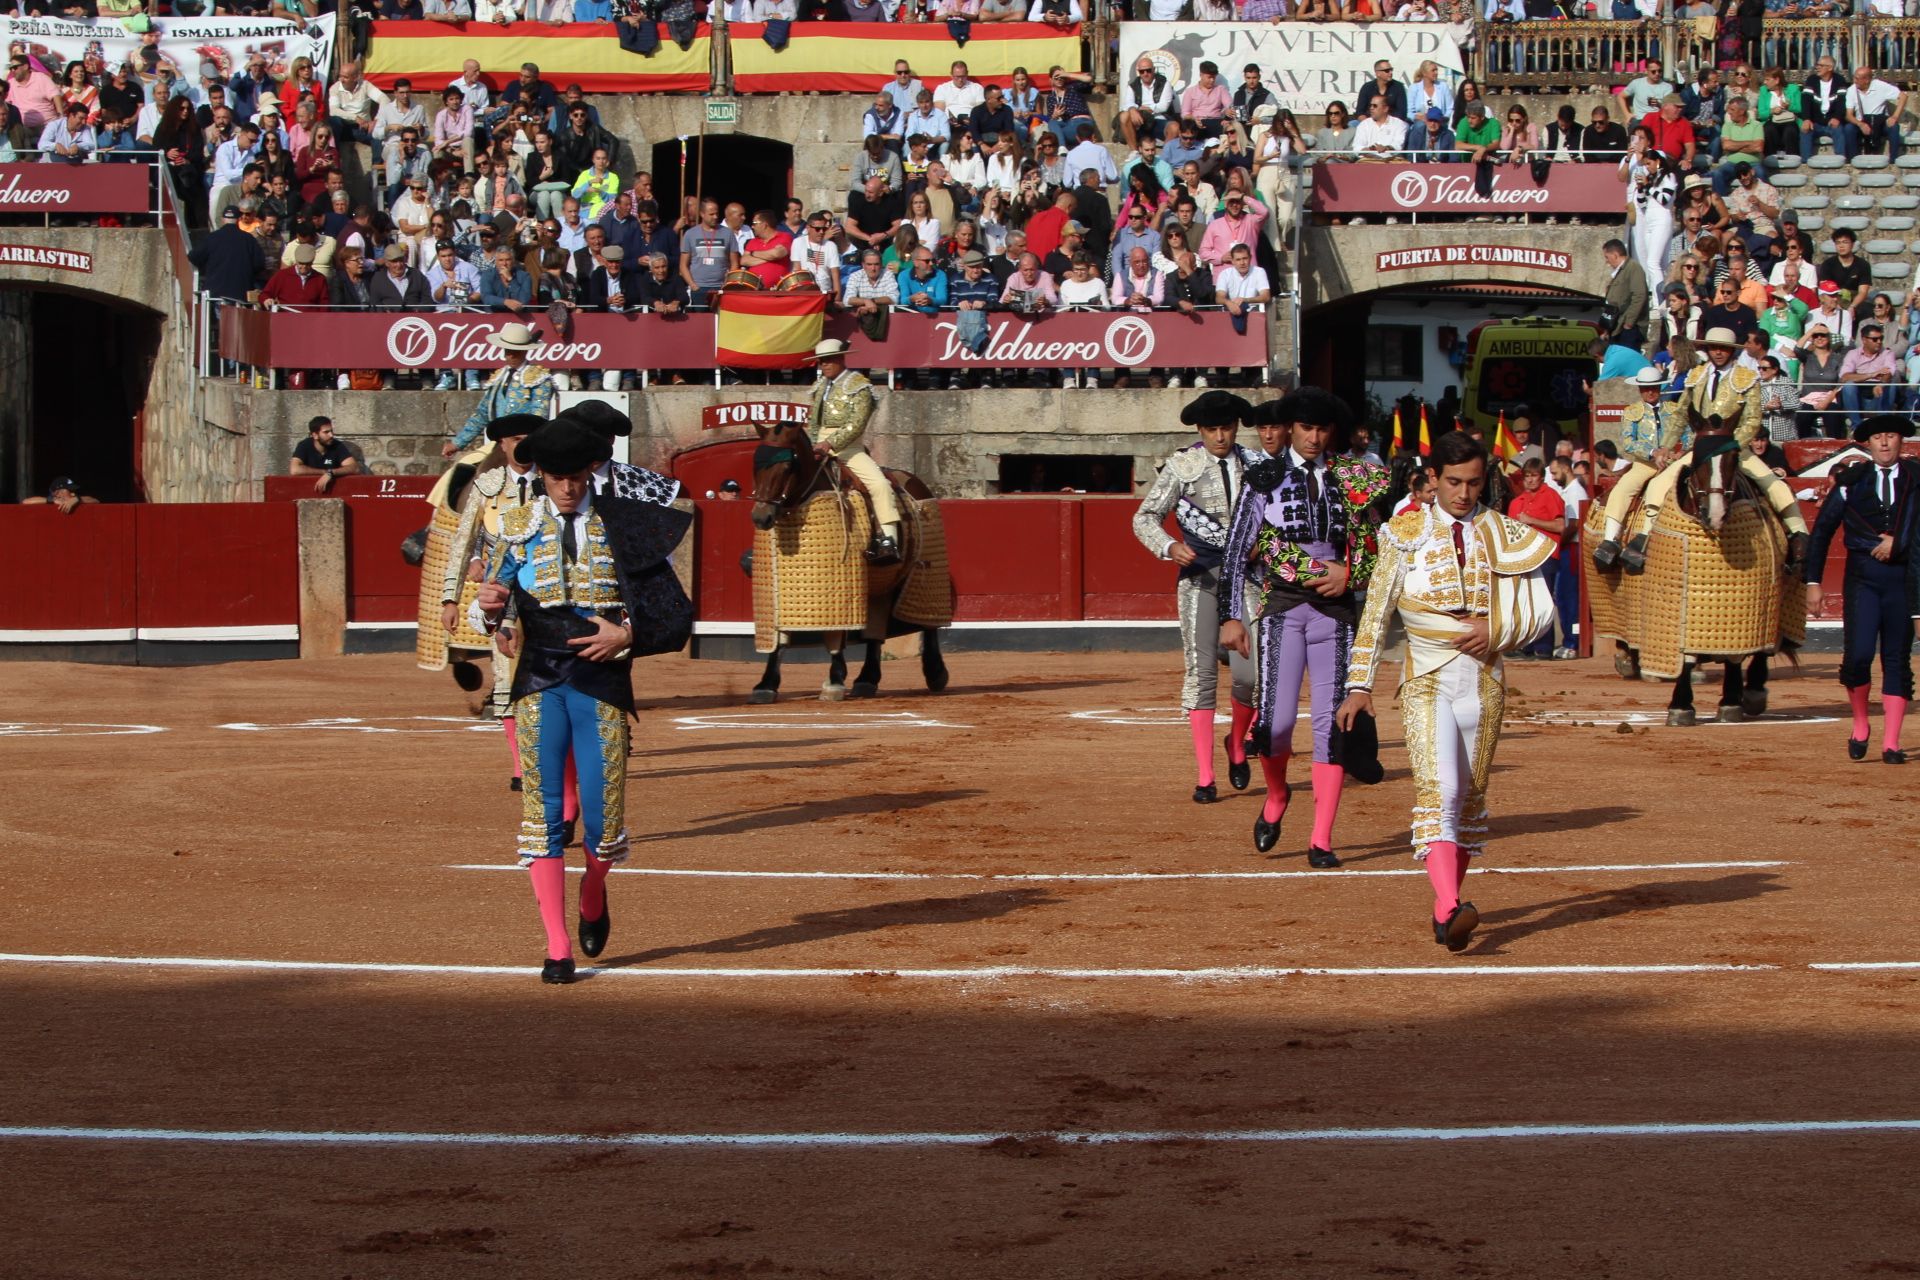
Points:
x=1680, y=705
x=1732, y=687
x=932, y=665
x=769, y=687
x=867, y=683
x=1754, y=700
x=835, y=689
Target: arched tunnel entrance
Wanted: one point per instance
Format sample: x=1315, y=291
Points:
x=757, y=172
x=74, y=370
x=1373, y=349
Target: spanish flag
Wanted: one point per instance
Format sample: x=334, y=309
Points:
x=858, y=57
x=1505, y=447
x=767, y=330
x=1426, y=442
x=584, y=53
x=1399, y=436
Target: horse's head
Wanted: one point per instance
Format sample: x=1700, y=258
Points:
x=1716, y=470
x=783, y=466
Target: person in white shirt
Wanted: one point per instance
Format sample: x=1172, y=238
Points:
x=1088, y=154
x=471, y=88
x=1003, y=166
x=1081, y=287
x=499, y=12
x=352, y=103
x=1240, y=283
x=1874, y=109
x=960, y=95
x=454, y=283
x=397, y=114
x=1381, y=136
x=1146, y=99
x=817, y=253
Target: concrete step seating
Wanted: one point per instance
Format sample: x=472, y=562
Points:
x=1809, y=202
x=1911, y=160
x=1812, y=222
x=1853, y=224
x=1789, y=181
x=1827, y=160
x=1877, y=181
x=1854, y=202
x=1883, y=248
x=1894, y=222
x=1833, y=180
x=1864, y=162
x=1892, y=271
x=1900, y=202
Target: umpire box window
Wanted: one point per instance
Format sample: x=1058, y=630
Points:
x=1065, y=473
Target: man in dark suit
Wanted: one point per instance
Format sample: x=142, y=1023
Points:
x=1626, y=297
x=586, y=260
x=231, y=262
x=1875, y=506
x=397, y=286
x=1091, y=210
x=609, y=288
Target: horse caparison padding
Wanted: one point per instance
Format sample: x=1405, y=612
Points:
x=811, y=574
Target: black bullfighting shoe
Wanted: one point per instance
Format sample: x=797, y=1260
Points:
x=1238, y=774
x=1460, y=926
x=1205, y=795
x=1856, y=748
x=593, y=933
x=1324, y=859
x=557, y=972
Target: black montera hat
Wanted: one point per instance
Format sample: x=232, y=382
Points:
x=515, y=424
x=563, y=448
x=1898, y=423
x=1216, y=408
x=600, y=418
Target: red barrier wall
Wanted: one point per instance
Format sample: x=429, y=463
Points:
x=68, y=573
x=381, y=585
x=227, y=564
x=294, y=488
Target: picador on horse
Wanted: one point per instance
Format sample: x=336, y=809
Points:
x=838, y=549
x=1709, y=574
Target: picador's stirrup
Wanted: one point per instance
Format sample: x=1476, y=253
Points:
x=1634, y=555
x=1607, y=553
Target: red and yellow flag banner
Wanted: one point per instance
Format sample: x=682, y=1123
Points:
x=858, y=57
x=584, y=53
x=767, y=330
x=1505, y=447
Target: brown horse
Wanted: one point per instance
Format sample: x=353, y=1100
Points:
x=788, y=470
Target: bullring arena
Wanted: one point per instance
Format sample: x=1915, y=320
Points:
x=955, y=985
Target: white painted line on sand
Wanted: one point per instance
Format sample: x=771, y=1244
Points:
x=1866, y=965
x=935, y=1138
x=1239, y=973
x=1134, y=877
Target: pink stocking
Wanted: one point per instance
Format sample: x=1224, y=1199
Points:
x=593, y=889
x=1460, y=876
x=1444, y=864
x=1274, y=767
x=1237, y=733
x=570, y=793
x=513, y=743
x=1328, y=779
x=1201, y=722
x=1895, y=710
x=550, y=891
x=1857, y=698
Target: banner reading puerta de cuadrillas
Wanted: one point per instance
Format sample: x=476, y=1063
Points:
x=1305, y=64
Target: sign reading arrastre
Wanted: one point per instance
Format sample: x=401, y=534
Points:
x=1449, y=188
x=1473, y=255
x=33, y=255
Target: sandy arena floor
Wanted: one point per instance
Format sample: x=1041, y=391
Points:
x=973, y=921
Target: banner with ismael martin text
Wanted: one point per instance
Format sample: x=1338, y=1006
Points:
x=183, y=45
x=1306, y=65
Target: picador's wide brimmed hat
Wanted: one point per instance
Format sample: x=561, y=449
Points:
x=599, y=417
x=1651, y=376
x=1217, y=408
x=563, y=448
x=1720, y=336
x=1882, y=423
x=514, y=424
x=514, y=337
x=829, y=348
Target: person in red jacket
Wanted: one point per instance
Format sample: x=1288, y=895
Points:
x=298, y=285
x=1045, y=228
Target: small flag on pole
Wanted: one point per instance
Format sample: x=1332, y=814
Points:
x=1505, y=447
x=767, y=330
x=1426, y=442
x=1399, y=436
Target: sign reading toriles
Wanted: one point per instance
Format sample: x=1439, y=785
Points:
x=1449, y=188
x=32, y=255
x=1306, y=64
x=1473, y=255
x=752, y=413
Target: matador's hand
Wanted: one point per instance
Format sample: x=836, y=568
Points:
x=1358, y=701
x=1233, y=635
x=1478, y=642
x=606, y=642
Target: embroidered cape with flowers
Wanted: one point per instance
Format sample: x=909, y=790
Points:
x=1282, y=540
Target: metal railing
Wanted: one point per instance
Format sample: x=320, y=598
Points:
x=1537, y=54
x=1556, y=54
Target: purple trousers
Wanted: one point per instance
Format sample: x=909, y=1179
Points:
x=1300, y=643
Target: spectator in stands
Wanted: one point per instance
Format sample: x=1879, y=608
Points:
x=883, y=120
x=578, y=138
x=295, y=285
x=1644, y=92
x=315, y=162
x=323, y=455
x=505, y=284
x=596, y=186
x=1187, y=290
x=1434, y=143
x=929, y=122
x=398, y=114
x=1868, y=378
x=1672, y=135
x=1383, y=85
x=609, y=287
x=1616, y=359
x=707, y=253
x=528, y=90
x=661, y=289
x=230, y=262
x=1087, y=154
x=1779, y=113
x=302, y=85
x=1136, y=285
x=407, y=163
x=1738, y=144
x=1624, y=315
x=253, y=86
x=587, y=257
x=351, y=285
x=923, y=286
x=959, y=94
x=621, y=226
x=1250, y=97
x=904, y=88
x=1820, y=366
x=1138, y=233
x=1830, y=310
x=69, y=139
x=1874, y=108
x=1478, y=136
x=875, y=158
x=398, y=286
x=993, y=119
x=353, y=106
x=1852, y=274
x=1029, y=289
x=1240, y=283
x=1704, y=104
x=1428, y=92
x=1236, y=225
x=1146, y=103
x=1003, y=264
x=1603, y=140
x=1381, y=136
x=768, y=251
x=63, y=494
x=870, y=293
x=231, y=157
x=1206, y=103
x=1823, y=110
x=453, y=128
x=1728, y=312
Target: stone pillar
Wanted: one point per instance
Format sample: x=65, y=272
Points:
x=322, y=531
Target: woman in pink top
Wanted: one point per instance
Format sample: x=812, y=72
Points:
x=1521, y=137
x=75, y=87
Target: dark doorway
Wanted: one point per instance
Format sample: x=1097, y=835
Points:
x=90, y=367
x=757, y=172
